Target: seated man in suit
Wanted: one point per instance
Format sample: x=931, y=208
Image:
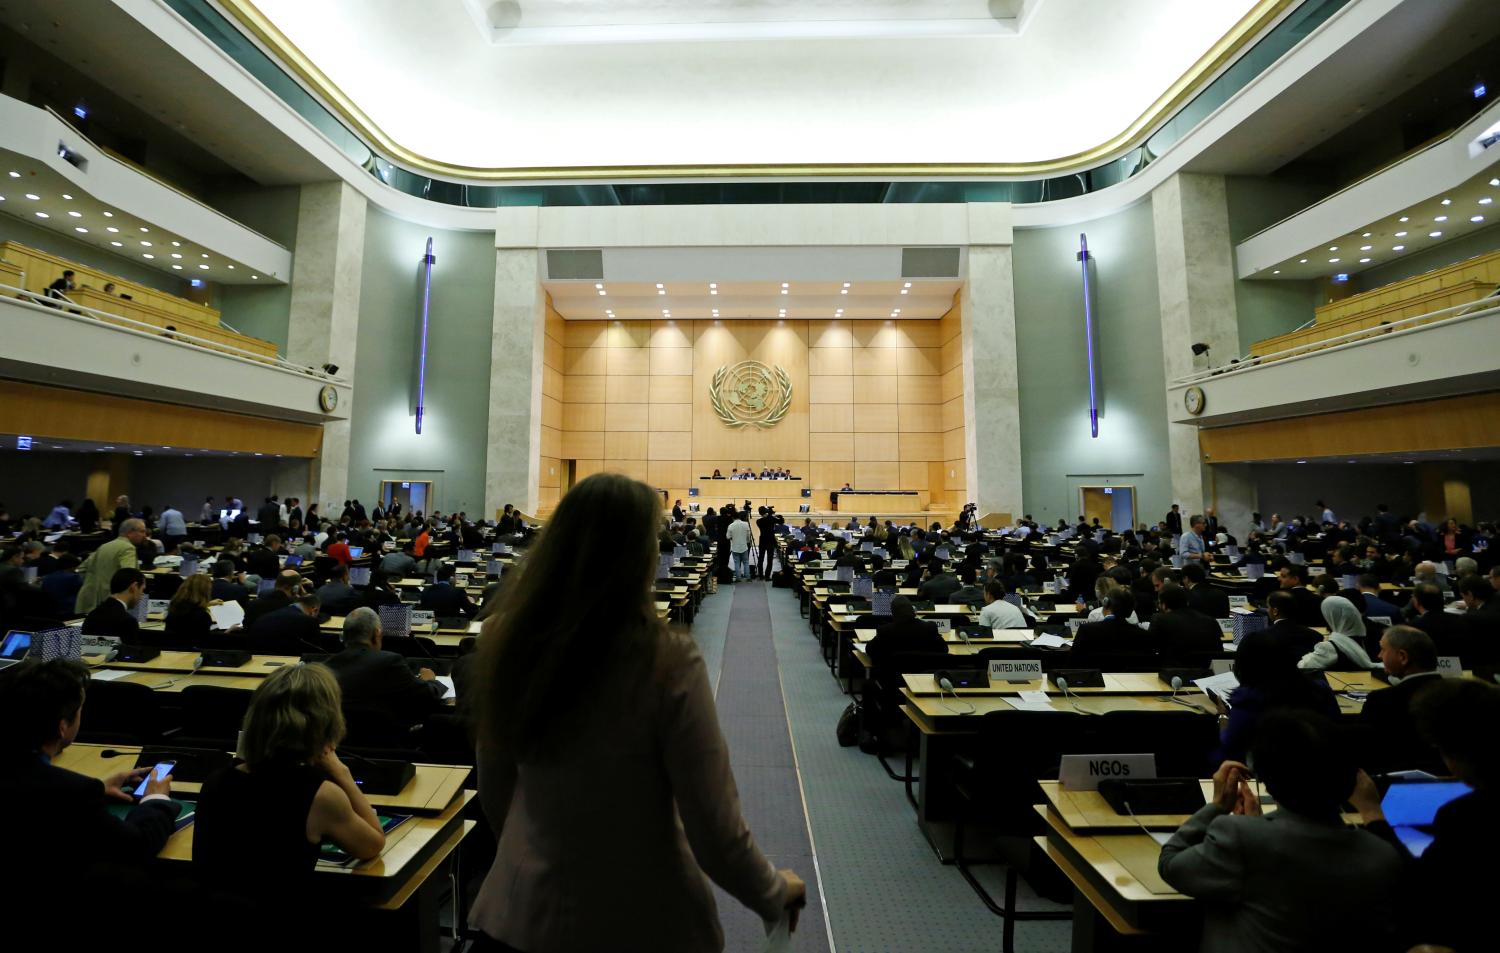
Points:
x=444, y=599
x=229, y=583
x=289, y=585
x=968, y=594
x=1292, y=578
x=1180, y=634
x=1391, y=741
x=265, y=560
x=376, y=679
x=880, y=576
x=290, y=630
x=1280, y=606
x=940, y=584
x=1448, y=630
x=905, y=633
x=1375, y=606
x=1113, y=634
x=116, y=615
x=336, y=595
x=68, y=828
x=1481, y=619
x=399, y=565
x=1209, y=600
x=1298, y=878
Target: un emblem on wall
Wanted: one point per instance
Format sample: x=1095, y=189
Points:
x=750, y=394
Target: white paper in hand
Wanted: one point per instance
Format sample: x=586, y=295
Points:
x=780, y=939
x=448, y=681
x=227, y=615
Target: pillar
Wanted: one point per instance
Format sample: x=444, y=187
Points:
x=327, y=270
x=1234, y=498
x=513, y=455
x=992, y=402
x=1195, y=283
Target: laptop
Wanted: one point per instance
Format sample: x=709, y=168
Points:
x=14, y=648
x=359, y=576
x=292, y=561
x=356, y=551
x=1411, y=805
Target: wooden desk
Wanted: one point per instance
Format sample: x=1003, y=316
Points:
x=184, y=662
x=1115, y=683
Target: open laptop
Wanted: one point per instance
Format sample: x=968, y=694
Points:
x=356, y=551
x=1411, y=805
x=14, y=648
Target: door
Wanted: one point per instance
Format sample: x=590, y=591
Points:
x=1113, y=506
x=414, y=495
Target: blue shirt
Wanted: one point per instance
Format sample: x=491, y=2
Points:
x=57, y=519
x=1191, y=543
x=172, y=523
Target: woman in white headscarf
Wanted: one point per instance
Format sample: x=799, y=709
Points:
x=1342, y=649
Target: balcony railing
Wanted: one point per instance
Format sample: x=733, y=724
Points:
x=1445, y=317
x=62, y=307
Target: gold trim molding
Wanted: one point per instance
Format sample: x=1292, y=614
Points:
x=252, y=21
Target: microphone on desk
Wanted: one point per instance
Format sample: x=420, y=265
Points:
x=946, y=685
x=1062, y=686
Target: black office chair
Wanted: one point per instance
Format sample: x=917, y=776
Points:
x=370, y=728
x=213, y=712
x=162, y=585
x=123, y=709
x=1182, y=741
x=887, y=725
x=410, y=646
x=997, y=788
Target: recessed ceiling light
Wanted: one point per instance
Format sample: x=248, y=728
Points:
x=15, y=175
x=602, y=292
x=111, y=228
x=1333, y=248
x=145, y=229
x=1485, y=201
x=661, y=291
x=1400, y=234
x=76, y=214
x=176, y=267
x=255, y=277
x=1363, y=260
x=203, y=267
x=1398, y=248
x=1301, y=261
x=42, y=215
x=109, y=214
x=34, y=198
x=230, y=267
x=907, y=285
x=1440, y=218
x=1365, y=235
x=659, y=285
x=785, y=285
x=145, y=244
x=67, y=197
x=1276, y=272
x=713, y=291
x=176, y=254
x=1492, y=181
x=1446, y=202
x=118, y=244
x=1476, y=218
x=712, y=285
x=598, y=285
x=1403, y=219
x=146, y=254
x=898, y=310
x=203, y=255
x=1333, y=261
x=1366, y=247
x=904, y=291
x=177, y=244
x=80, y=229
x=1434, y=234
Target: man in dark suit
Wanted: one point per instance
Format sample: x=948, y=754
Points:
x=1481, y=619
x=265, y=561
x=375, y=679
x=1174, y=520
x=904, y=633
x=1180, y=634
x=268, y=516
x=1304, y=605
x=1112, y=635
x=940, y=584
x=1207, y=599
x=880, y=576
x=765, y=536
x=68, y=827
x=1375, y=606
x=289, y=586
x=290, y=630
x=1450, y=635
x=1390, y=738
x=444, y=599
x=1285, y=627
x=336, y=595
x=227, y=585
x=116, y=615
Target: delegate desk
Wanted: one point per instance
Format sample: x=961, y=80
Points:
x=879, y=502
x=399, y=883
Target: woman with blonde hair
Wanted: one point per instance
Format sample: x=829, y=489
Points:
x=188, y=622
x=601, y=765
x=261, y=820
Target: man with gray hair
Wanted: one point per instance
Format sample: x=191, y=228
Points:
x=372, y=678
x=1391, y=739
x=119, y=553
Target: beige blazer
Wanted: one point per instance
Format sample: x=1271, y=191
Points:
x=611, y=843
x=118, y=553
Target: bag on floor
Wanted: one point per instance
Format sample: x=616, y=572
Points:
x=783, y=579
x=849, y=726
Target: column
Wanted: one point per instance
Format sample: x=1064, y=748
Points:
x=992, y=404
x=1195, y=282
x=513, y=457
x=327, y=269
x=1234, y=497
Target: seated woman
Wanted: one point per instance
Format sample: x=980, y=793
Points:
x=1266, y=666
x=188, y=622
x=1342, y=650
x=261, y=820
x=1299, y=878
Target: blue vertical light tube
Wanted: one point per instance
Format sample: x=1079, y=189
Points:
x=1088, y=334
x=427, y=261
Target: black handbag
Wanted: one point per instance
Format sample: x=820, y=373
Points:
x=849, y=725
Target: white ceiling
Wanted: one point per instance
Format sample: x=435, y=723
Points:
x=1079, y=73
x=70, y=211
x=1450, y=214
x=926, y=299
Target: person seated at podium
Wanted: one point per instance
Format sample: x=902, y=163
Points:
x=261, y=820
x=115, y=616
x=717, y=475
x=846, y=488
x=67, y=828
x=1299, y=878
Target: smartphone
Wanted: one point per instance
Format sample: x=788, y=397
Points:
x=162, y=769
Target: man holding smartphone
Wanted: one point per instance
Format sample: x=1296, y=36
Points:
x=68, y=824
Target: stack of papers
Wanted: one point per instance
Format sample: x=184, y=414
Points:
x=227, y=615
x=1031, y=701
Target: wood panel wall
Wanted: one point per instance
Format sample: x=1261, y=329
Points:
x=549, y=480
x=952, y=476
x=870, y=402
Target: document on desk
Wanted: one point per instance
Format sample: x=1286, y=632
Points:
x=227, y=615
x=108, y=674
x=1050, y=641
x=448, y=681
x=1031, y=701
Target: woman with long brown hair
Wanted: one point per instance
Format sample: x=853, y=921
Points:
x=601, y=763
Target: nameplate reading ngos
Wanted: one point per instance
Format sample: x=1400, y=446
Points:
x=1083, y=772
x=1015, y=670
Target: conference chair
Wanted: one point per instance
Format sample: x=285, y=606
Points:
x=1182, y=742
x=890, y=726
x=119, y=710
x=162, y=585
x=375, y=732
x=213, y=713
